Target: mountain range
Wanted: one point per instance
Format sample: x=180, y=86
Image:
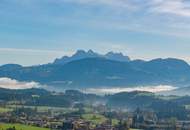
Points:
x=81, y=54
x=90, y=69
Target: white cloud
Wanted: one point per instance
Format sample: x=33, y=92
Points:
x=122, y=14
x=151, y=20
x=177, y=7
x=154, y=89
x=14, y=84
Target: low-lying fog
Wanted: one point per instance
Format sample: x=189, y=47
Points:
x=14, y=84
x=154, y=89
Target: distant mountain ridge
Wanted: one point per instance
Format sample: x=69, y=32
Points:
x=89, y=69
x=81, y=54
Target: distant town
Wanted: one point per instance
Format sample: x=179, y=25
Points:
x=38, y=109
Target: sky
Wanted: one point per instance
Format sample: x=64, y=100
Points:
x=38, y=31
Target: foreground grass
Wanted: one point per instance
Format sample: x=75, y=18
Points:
x=20, y=127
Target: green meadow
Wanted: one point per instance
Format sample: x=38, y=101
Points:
x=20, y=127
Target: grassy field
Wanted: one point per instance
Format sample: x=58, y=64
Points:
x=168, y=97
x=94, y=118
x=45, y=108
x=115, y=122
x=20, y=127
x=4, y=110
x=187, y=107
x=98, y=119
x=135, y=129
x=88, y=110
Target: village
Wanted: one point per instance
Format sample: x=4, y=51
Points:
x=94, y=118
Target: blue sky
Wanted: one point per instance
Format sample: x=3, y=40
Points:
x=38, y=31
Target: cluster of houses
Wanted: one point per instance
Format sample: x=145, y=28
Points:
x=83, y=125
x=140, y=119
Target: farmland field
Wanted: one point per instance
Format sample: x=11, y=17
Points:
x=94, y=118
x=43, y=108
x=20, y=127
x=4, y=110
